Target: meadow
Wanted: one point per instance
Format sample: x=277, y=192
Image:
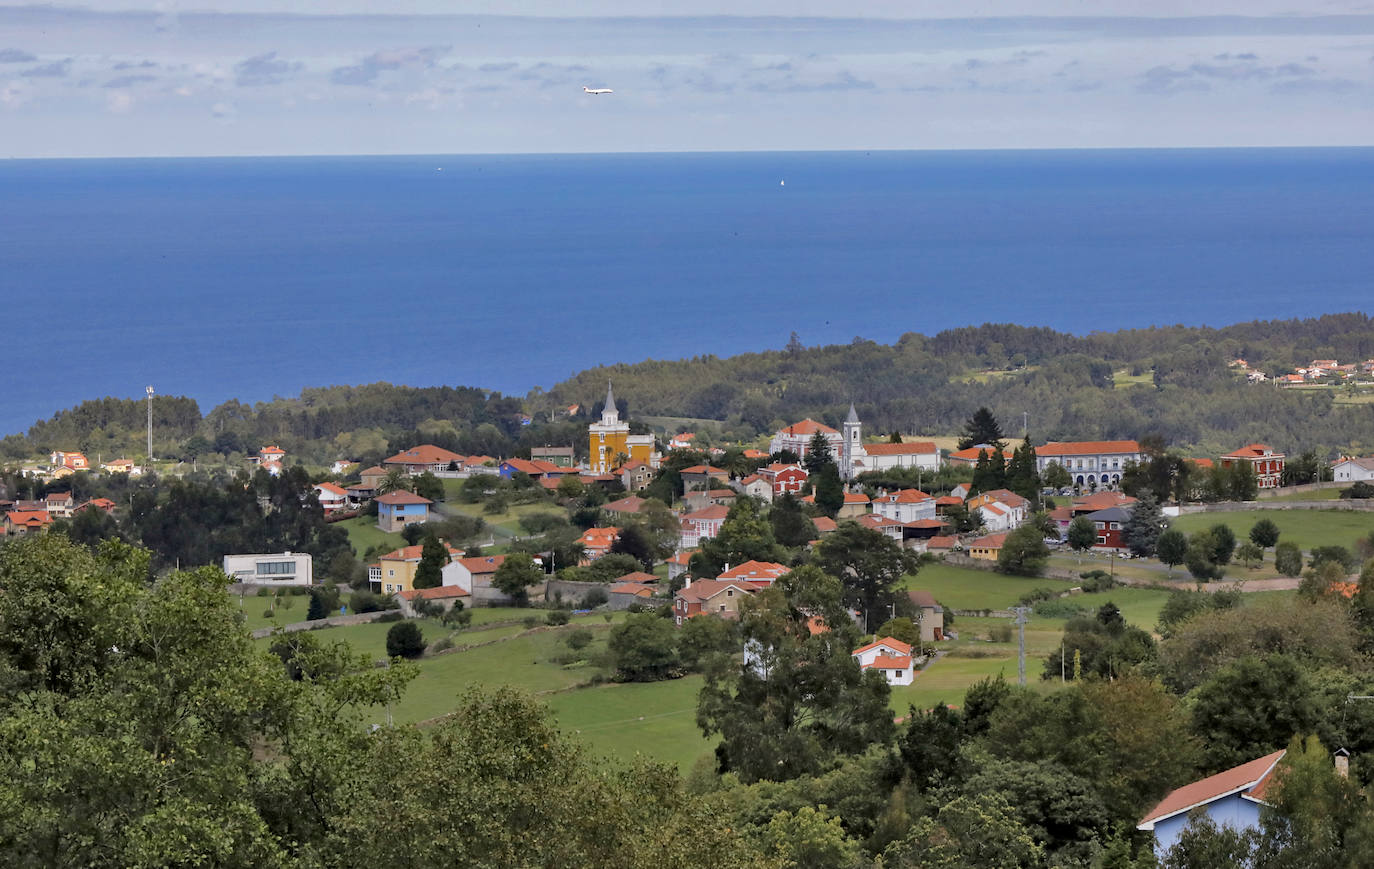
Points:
x=1307, y=528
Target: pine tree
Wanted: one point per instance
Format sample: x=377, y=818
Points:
x=1022, y=477
x=829, y=490
x=982, y=428
x=818, y=453
x=433, y=557
x=1144, y=526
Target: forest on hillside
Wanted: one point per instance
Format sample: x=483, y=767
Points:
x=1173, y=382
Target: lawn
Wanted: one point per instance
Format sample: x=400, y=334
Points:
x=948, y=679
x=505, y=524
x=1124, y=379
x=1307, y=528
x=964, y=588
x=655, y=719
x=364, y=534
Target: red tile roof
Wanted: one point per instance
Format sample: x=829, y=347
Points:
x=948, y=501
x=1087, y=448
x=482, y=563
x=855, y=498
x=1202, y=463
x=639, y=577
x=897, y=646
x=808, y=426
x=29, y=518
x=925, y=523
x=332, y=488
x=424, y=454
x=971, y=454
x=941, y=542
x=1254, y=451
x=632, y=504
x=402, y=497
x=755, y=454
x=907, y=496
x=704, y=469
x=635, y=588
x=373, y=471
x=706, y=514
x=1240, y=779
x=598, y=538
x=889, y=662
x=824, y=524
x=756, y=571
x=875, y=520
x=914, y=448
x=990, y=541
x=413, y=553
x=683, y=557
x=705, y=589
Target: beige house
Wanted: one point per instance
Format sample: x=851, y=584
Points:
x=715, y=597
x=987, y=548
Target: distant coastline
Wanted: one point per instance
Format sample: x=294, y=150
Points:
x=253, y=277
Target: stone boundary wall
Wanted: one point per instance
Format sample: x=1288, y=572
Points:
x=1363, y=505
x=331, y=622
x=991, y=567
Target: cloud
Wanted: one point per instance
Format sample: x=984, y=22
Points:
x=1167, y=80
x=124, y=81
x=369, y=68
x=223, y=111
x=844, y=81
x=14, y=55
x=119, y=102
x=1249, y=55
x=128, y=64
x=264, y=69
x=498, y=67
x=56, y=69
x=1304, y=86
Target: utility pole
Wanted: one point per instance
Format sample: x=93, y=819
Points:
x=1025, y=424
x=150, y=427
x=1021, y=612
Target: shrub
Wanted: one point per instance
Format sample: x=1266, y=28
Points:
x=1361, y=489
x=558, y=617
x=393, y=616
x=458, y=617
x=1059, y=609
x=594, y=598
x=405, y=640
x=1000, y=633
x=1036, y=595
x=268, y=613
x=442, y=645
x=579, y=639
x=1288, y=559
x=365, y=602
x=1097, y=580
x=529, y=621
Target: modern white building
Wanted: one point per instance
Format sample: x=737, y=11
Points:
x=273, y=568
x=885, y=457
x=1090, y=464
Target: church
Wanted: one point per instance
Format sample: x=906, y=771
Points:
x=612, y=445
x=851, y=454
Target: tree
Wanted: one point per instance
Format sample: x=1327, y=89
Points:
x=1144, y=526
x=317, y=608
x=1021, y=474
x=396, y=480
x=427, y=485
x=701, y=638
x=799, y=699
x=990, y=472
x=1252, y=707
x=982, y=428
x=635, y=541
x=405, y=640
x=818, y=453
x=515, y=575
x=1288, y=559
x=1082, y=535
x=791, y=527
x=829, y=490
x=809, y=838
x=1249, y=554
x=1200, y=557
x=1056, y=477
x=1171, y=548
x=745, y=535
x=1241, y=484
x=643, y=648
x=1023, y=553
x=1223, y=543
x=1264, y=533
x=901, y=629
x=429, y=573
x=868, y=564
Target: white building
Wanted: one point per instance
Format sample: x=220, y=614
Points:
x=796, y=438
x=1353, y=470
x=885, y=457
x=906, y=505
x=278, y=568
x=1089, y=463
x=702, y=525
x=890, y=657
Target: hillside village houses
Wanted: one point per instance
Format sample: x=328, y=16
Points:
x=1091, y=464
x=1350, y=470
x=1266, y=464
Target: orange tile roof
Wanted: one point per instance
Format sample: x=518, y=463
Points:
x=705, y=589
x=639, y=577
x=914, y=448
x=1202, y=463
x=707, y=514
x=990, y=541
x=635, y=588
x=808, y=426
x=402, y=497
x=373, y=471
x=482, y=563
x=755, y=454
x=1087, y=448
x=1239, y=779
x=703, y=469
x=855, y=498
x=332, y=488
x=749, y=570
x=272, y=451
x=424, y=454
x=895, y=645
x=29, y=518
x=1254, y=451
x=779, y=467
x=972, y=453
x=889, y=662
x=824, y=524
x=599, y=537
x=925, y=523
x=942, y=542
x=875, y=520
x=682, y=557
x=413, y=553
x=948, y=500
x=632, y=504
x=907, y=496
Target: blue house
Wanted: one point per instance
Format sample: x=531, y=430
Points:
x=1231, y=799
x=396, y=510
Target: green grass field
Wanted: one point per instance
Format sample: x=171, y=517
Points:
x=965, y=588
x=1124, y=379
x=364, y=534
x=655, y=719
x=1307, y=528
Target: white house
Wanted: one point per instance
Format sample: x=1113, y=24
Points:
x=905, y=505
x=703, y=524
x=1231, y=799
x=1353, y=470
x=797, y=437
x=885, y=457
x=890, y=657
x=332, y=497
x=277, y=568
x=1000, y=509
x=1091, y=464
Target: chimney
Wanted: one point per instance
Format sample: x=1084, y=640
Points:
x=1342, y=759
x=688, y=584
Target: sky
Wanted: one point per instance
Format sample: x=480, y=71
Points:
x=257, y=77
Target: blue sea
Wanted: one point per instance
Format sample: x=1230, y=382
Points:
x=249, y=278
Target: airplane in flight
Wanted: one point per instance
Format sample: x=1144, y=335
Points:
x=596, y=91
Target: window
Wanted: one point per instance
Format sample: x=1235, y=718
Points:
x=722, y=607
x=729, y=592
x=1101, y=541
x=276, y=568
